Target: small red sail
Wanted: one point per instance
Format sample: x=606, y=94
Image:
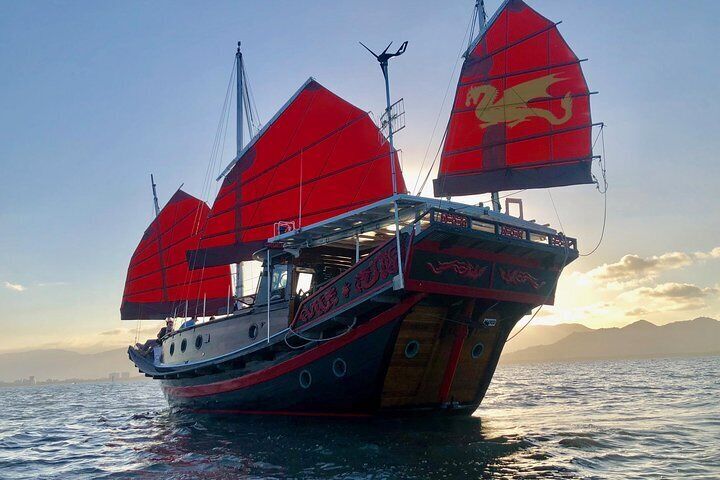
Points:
x=319, y=157
x=160, y=283
x=521, y=117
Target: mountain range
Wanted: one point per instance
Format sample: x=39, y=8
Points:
x=537, y=343
x=700, y=336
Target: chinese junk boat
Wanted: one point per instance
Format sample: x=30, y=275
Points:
x=371, y=300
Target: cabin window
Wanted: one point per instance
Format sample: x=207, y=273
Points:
x=172, y=348
x=253, y=331
x=279, y=282
x=198, y=342
x=304, y=283
x=183, y=345
x=278, y=285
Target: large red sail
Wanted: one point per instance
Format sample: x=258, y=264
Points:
x=160, y=283
x=319, y=157
x=521, y=116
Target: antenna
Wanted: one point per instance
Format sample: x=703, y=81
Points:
x=383, y=58
x=155, y=200
x=398, y=282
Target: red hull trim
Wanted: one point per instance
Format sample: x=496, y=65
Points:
x=282, y=413
x=460, y=334
x=299, y=361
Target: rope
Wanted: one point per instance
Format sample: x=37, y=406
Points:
x=557, y=279
x=308, y=339
x=603, y=190
x=469, y=30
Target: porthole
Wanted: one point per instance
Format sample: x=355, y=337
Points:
x=305, y=379
x=339, y=367
x=198, y=342
x=253, y=331
x=412, y=348
x=172, y=348
x=477, y=350
x=183, y=345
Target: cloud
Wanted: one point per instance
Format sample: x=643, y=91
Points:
x=14, y=286
x=636, y=312
x=117, y=331
x=633, y=269
x=52, y=284
x=130, y=331
x=669, y=296
x=678, y=291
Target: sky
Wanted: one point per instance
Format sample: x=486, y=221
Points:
x=95, y=96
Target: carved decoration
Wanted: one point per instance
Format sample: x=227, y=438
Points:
x=460, y=267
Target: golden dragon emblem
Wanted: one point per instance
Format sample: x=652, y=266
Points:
x=512, y=107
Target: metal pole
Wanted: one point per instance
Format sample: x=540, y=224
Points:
x=204, y=303
x=384, y=67
x=239, y=141
x=239, y=95
x=482, y=19
x=155, y=200
x=357, y=248
x=269, y=278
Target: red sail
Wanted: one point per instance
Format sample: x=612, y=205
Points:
x=521, y=117
x=319, y=157
x=160, y=283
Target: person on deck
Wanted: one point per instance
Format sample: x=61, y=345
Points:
x=189, y=323
x=147, y=347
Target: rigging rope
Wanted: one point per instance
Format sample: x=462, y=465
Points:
x=468, y=34
x=603, y=190
x=557, y=279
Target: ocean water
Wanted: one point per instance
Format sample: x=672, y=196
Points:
x=627, y=419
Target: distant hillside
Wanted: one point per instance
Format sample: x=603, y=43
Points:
x=639, y=339
x=535, y=335
x=63, y=364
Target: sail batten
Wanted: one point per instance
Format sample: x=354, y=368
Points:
x=521, y=115
x=318, y=157
x=160, y=282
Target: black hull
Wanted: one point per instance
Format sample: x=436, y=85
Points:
x=357, y=391
x=430, y=348
x=362, y=388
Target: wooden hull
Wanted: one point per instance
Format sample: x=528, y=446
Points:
x=365, y=372
x=429, y=348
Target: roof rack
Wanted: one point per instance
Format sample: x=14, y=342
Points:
x=379, y=215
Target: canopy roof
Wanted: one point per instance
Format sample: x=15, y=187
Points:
x=319, y=157
x=160, y=282
x=521, y=116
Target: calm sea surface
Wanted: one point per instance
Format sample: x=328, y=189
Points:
x=619, y=419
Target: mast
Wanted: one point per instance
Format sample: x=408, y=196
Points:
x=482, y=20
x=239, y=141
x=240, y=96
x=155, y=199
x=383, y=58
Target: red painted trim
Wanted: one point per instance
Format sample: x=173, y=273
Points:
x=434, y=247
x=283, y=413
x=299, y=361
x=362, y=263
x=461, y=332
x=463, y=291
x=344, y=307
